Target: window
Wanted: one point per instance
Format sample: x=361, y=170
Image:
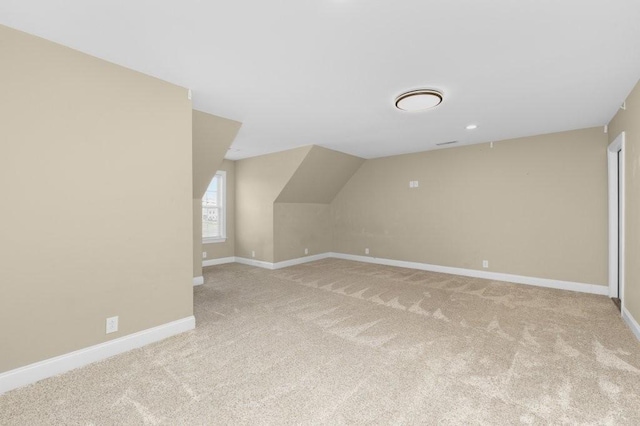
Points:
x=214, y=209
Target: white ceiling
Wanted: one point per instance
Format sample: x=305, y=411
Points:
x=326, y=72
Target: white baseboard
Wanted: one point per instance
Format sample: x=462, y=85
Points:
x=54, y=366
x=198, y=281
x=219, y=261
x=631, y=322
x=284, y=263
x=253, y=262
x=497, y=276
x=300, y=260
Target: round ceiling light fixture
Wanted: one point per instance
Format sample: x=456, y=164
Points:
x=419, y=100
x=472, y=126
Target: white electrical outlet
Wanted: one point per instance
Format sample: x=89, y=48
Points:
x=253, y=253
x=485, y=263
x=410, y=184
x=112, y=325
x=306, y=251
x=204, y=254
x=366, y=251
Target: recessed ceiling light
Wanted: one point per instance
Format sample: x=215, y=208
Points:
x=418, y=100
x=472, y=126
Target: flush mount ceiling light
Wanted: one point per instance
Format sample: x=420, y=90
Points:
x=418, y=100
x=472, y=126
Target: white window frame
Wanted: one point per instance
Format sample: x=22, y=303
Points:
x=223, y=210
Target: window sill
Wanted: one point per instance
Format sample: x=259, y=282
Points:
x=213, y=240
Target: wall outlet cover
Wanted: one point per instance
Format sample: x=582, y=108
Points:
x=112, y=325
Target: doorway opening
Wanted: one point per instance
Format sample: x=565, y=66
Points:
x=616, y=155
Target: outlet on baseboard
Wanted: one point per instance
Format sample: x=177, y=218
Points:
x=485, y=263
x=306, y=251
x=253, y=253
x=204, y=254
x=112, y=325
x=366, y=251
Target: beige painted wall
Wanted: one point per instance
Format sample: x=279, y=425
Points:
x=302, y=212
x=259, y=181
x=533, y=206
x=628, y=121
x=301, y=225
x=227, y=248
x=282, y=201
x=96, y=184
x=320, y=176
x=212, y=137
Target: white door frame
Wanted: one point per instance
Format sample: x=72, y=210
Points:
x=616, y=260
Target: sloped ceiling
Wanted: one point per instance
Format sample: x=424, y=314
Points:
x=212, y=137
x=320, y=176
x=259, y=181
x=327, y=72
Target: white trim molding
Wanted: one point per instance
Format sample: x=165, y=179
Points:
x=631, y=322
x=198, y=281
x=222, y=202
x=284, y=263
x=213, y=240
x=254, y=262
x=219, y=261
x=616, y=216
x=301, y=260
x=497, y=276
x=32, y=373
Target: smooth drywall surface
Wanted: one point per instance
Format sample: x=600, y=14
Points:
x=212, y=137
x=96, y=184
x=226, y=248
x=532, y=206
x=302, y=212
x=300, y=226
x=628, y=121
x=259, y=181
x=320, y=177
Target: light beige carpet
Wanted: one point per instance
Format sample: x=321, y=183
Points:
x=338, y=342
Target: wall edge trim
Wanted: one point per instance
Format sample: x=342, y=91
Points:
x=198, y=281
x=631, y=322
x=488, y=275
x=55, y=366
x=218, y=261
x=254, y=262
x=301, y=260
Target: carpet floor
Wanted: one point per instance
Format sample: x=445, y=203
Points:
x=338, y=342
